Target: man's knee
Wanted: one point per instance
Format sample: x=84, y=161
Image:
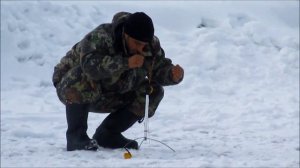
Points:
x=138, y=105
x=155, y=98
x=158, y=92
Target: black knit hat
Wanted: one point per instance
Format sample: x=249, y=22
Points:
x=140, y=27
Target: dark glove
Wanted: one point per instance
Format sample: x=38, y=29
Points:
x=148, y=87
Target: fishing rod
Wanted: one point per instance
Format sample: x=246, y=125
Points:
x=127, y=154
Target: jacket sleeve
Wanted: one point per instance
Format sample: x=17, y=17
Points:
x=162, y=66
x=95, y=61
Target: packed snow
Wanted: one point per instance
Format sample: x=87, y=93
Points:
x=238, y=105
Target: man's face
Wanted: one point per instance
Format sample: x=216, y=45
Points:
x=134, y=46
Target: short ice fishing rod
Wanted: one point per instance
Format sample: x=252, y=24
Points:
x=128, y=155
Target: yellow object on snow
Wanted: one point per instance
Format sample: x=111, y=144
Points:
x=127, y=155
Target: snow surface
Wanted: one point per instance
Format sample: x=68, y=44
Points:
x=238, y=105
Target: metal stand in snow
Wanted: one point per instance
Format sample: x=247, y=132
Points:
x=146, y=129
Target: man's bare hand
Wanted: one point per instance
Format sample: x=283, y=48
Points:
x=177, y=73
x=136, y=61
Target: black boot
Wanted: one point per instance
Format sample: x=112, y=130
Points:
x=77, y=138
x=108, y=134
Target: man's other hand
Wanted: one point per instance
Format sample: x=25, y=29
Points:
x=177, y=73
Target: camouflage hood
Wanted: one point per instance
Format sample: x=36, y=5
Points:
x=119, y=19
x=117, y=29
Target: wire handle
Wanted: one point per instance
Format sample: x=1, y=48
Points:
x=125, y=147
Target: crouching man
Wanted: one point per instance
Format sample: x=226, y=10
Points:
x=109, y=71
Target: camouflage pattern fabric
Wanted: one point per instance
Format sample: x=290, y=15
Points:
x=95, y=72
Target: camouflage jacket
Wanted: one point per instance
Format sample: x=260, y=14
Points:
x=102, y=58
